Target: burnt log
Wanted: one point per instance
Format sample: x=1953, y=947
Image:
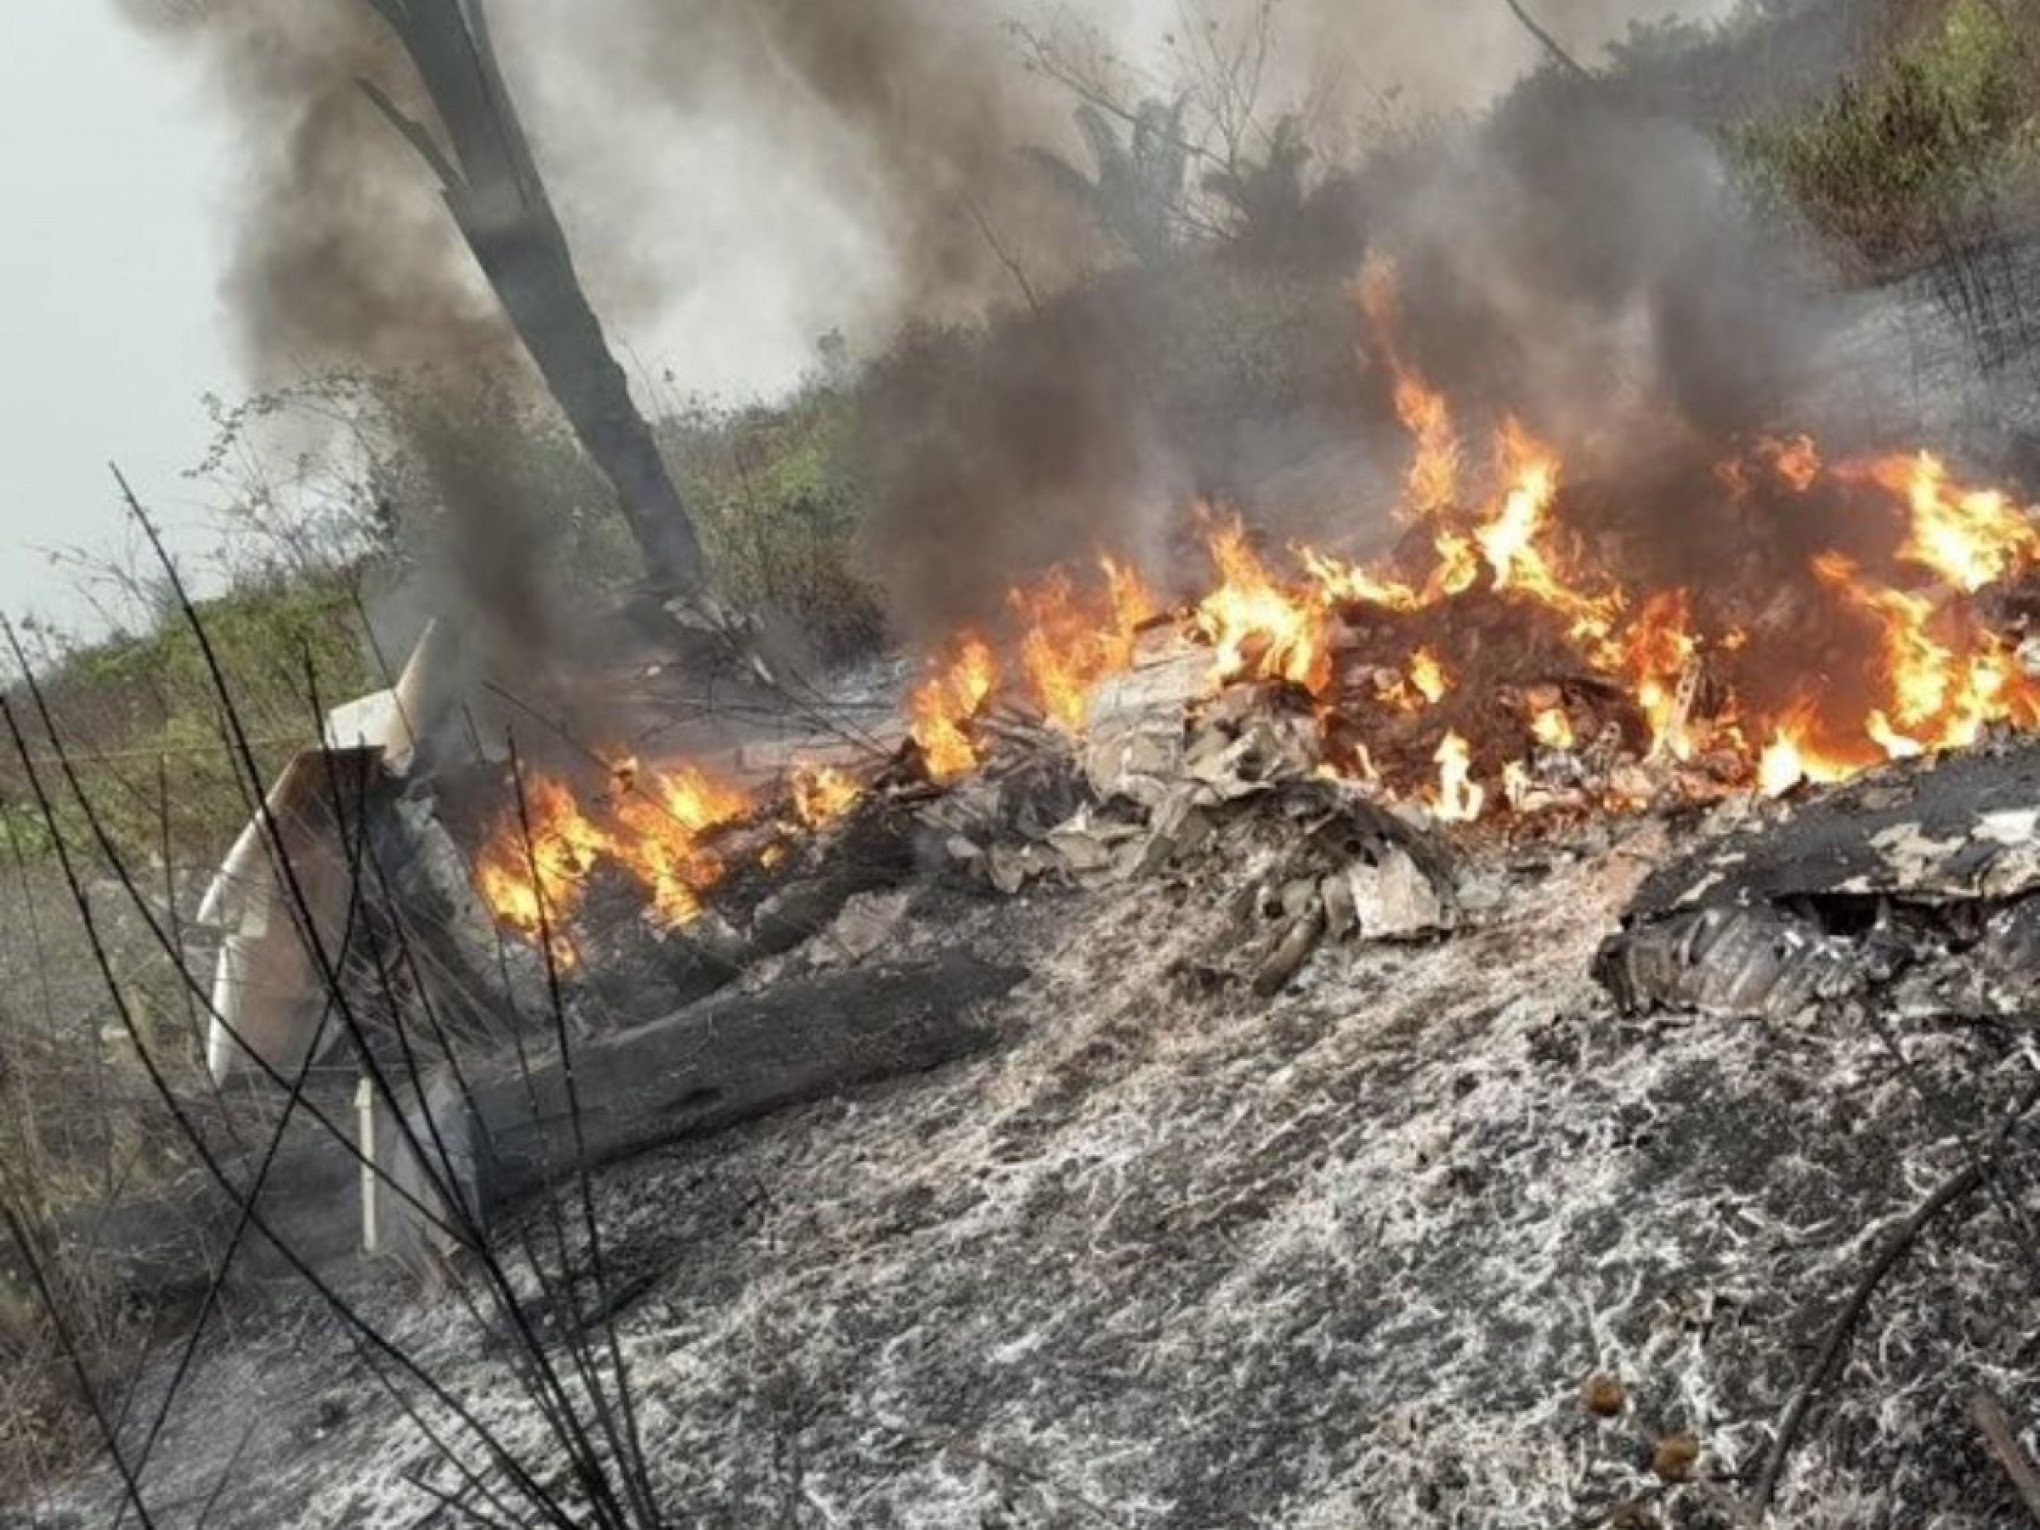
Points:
x=512, y=1132
x=761, y=913
x=709, y=1068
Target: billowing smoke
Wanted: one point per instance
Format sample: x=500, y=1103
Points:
x=345, y=254
x=1458, y=59
x=1581, y=259
x=739, y=176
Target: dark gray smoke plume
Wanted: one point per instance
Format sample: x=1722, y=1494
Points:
x=768, y=169
x=345, y=254
x=1581, y=260
x=347, y=259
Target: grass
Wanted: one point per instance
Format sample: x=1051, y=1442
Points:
x=137, y=711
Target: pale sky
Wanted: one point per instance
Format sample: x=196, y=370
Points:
x=110, y=328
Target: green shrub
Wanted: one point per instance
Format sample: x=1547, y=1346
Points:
x=779, y=505
x=1889, y=164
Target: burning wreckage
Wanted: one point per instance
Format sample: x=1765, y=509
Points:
x=1823, y=736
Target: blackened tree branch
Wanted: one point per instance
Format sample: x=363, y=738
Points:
x=1550, y=44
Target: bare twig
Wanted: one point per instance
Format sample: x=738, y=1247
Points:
x=1951, y=1192
x=1550, y=44
x=2003, y=1440
x=1005, y=258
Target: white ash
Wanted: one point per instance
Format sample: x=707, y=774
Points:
x=1180, y=1258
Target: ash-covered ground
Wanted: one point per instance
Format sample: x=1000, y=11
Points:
x=1173, y=1255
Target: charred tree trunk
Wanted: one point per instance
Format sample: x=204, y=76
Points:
x=492, y=186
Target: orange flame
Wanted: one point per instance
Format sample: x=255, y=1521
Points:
x=945, y=703
x=1792, y=756
x=1514, y=536
x=534, y=884
x=1936, y=675
x=822, y=794
x=1552, y=728
x=663, y=819
x=1658, y=654
x=1796, y=461
x=1342, y=581
x=1260, y=630
x=1969, y=537
x=1946, y=677
x=1428, y=677
x=654, y=830
x=1433, y=478
x=1072, y=643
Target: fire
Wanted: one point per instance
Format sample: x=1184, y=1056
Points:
x=1498, y=623
x=822, y=794
x=1432, y=483
x=1517, y=785
x=664, y=821
x=1659, y=653
x=1428, y=677
x=1946, y=678
x=1458, y=568
x=1514, y=536
x=1342, y=581
x=944, y=705
x=653, y=825
x=1969, y=537
x=1458, y=797
x=1259, y=629
x=1552, y=728
x=1071, y=642
x=534, y=883
x=1796, y=461
x=1791, y=757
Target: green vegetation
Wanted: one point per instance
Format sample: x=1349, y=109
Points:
x=138, y=709
x=780, y=502
x=1894, y=162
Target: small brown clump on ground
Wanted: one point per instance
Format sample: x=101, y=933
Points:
x=1603, y=1395
x=1675, y=1457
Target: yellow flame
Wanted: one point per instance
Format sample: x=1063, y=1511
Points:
x=1432, y=483
x=1658, y=651
x=940, y=709
x=1552, y=728
x=1258, y=629
x=534, y=884
x=822, y=794
x=1969, y=537
x=1428, y=676
x=1458, y=797
x=1513, y=538
x=1350, y=582
x=654, y=827
x=663, y=819
x=1071, y=642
